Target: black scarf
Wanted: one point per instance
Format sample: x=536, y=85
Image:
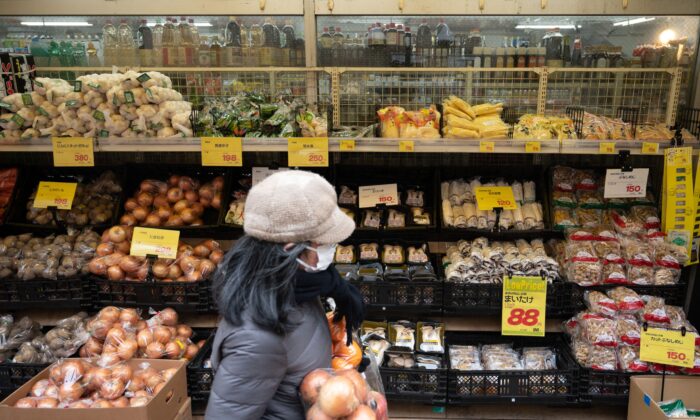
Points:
x=328, y=283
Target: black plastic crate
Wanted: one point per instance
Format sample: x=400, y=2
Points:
x=181, y=296
x=68, y=293
x=405, y=296
x=14, y=375
x=200, y=378
x=604, y=388
x=415, y=384
x=549, y=387
x=689, y=118
x=487, y=299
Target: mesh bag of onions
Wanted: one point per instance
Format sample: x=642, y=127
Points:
x=83, y=383
x=348, y=394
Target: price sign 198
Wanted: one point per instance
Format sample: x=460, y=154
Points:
x=229, y=158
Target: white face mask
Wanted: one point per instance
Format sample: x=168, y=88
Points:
x=325, y=253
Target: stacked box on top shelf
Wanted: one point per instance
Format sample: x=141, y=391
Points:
x=392, y=275
x=411, y=356
x=490, y=368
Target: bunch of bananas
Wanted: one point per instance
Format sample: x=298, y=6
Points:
x=463, y=121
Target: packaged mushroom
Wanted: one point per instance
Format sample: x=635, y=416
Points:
x=599, y=330
x=600, y=303
x=369, y=252
x=539, y=358
x=465, y=358
x=347, y=196
x=393, y=254
x=627, y=300
x=628, y=358
x=345, y=254
x=500, y=357
x=403, y=334
x=430, y=337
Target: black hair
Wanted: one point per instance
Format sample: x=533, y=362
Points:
x=258, y=277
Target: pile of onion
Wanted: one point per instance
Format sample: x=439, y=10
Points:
x=112, y=260
x=79, y=383
x=121, y=334
x=180, y=201
x=341, y=394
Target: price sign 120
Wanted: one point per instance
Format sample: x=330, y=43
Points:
x=489, y=198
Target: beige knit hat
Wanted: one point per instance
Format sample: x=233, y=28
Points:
x=295, y=206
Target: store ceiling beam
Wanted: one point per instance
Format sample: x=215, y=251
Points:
x=153, y=7
x=509, y=7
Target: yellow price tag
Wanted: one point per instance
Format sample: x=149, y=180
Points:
x=55, y=194
x=650, y=148
x=667, y=347
x=606, y=148
x=407, y=146
x=160, y=242
x=533, y=147
x=489, y=198
x=222, y=151
x=347, y=145
x=487, y=146
x=307, y=151
x=73, y=151
x=524, y=306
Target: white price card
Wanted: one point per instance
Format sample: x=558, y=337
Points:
x=371, y=195
x=619, y=184
x=261, y=172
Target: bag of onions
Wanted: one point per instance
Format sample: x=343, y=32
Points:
x=334, y=394
x=112, y=260
x=181, y=201
x=344, y=356
x=84, y=383
x=118, y=334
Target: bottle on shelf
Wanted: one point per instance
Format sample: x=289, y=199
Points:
x=288, y=41
x=169, y=43
x=338, y=39
x=553, y=49
x=92, y=60
x=126, y=44
x=424, y=36
x=194, y=40
x=474, y=39
x=215, y=52
x=566, y=52
x=233, y=33
x=145, y=44
x=577, y=53
x=185, y=47
x=325, y=41
x=256, y=42
x=204, y=53
x=408, y=45
x=289, y=36
x=158, y=44
x=109, y=44
x=443, y=35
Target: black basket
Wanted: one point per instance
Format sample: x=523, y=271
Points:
x=423, y=297
x=604, y=388
x=14, y=375
x=549, y=387
x=415, y=384
x=68, y=293
x=689, y=118
x=181, y=296
x=200, y=378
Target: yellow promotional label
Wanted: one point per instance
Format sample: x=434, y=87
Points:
x=487, y=146
x=307, y=151
x=533, y=147
x=524, y=306
x=650, y=148
x=222, y=151
x=667, y=347
x=160, y=242
x=55, y=194
x=407, y=146
x=347, y=145
x=678, y=210
x=73, y=151
x=489, y=198
x=606, y=148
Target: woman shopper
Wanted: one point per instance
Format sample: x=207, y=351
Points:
x=274, y=330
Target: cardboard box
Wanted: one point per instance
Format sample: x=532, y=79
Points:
x=645, y=393
x=161, y=407
x=185, y=412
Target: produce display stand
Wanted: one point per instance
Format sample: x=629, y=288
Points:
x=335, y=80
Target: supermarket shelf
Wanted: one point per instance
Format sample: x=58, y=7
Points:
x=362, y=145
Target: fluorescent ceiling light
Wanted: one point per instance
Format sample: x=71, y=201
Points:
x=198, y=24
x=633, y=21
x=565, y=26
x=34, y=23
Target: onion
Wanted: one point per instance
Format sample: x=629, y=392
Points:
x=161, y=334
x=144, y=199
x=378, y=403
x=115, y=336
x=93, y=347
x=191, y=351
x=142, y=272
x=123, y=371
x=96, y=376
x=115, y=273
x=140, y=325
x=211, y=244
x=337, y=397
x=47, y=402
x=109, y=356
x=144, y=338
x=51, y=391
x=99, y=327
x=362, y=413
x=129, y=264
x=101, y=404
x=140, y=213
x=168, y=317
x=124, y=247
x=216, y=256
x=139, y=401
x=174, y=220
x=158, y=388
x=361, y=388
x=174, y=180
x=201, y=251
x=315, y=413
x=172, y=350
x=130, y=204
x=26, y=402
x=184, y=331
x=175, y=195
x=97, y=266
x=205, y=202
x=136, y=384
x=185, y=249
x=180, y=206
x=127, y=220
x=216, y=201
x=163, y=212
x=120, y=402
x=206, y=192
x=154, y=350
x=197, y=209
x=168, y=374
x=189, y=264
x=39, y=388
x=188, y=216
x=186, y=183
x=181, y=279
x=81, y=404
x=174, y=271
x=127, y=349
x=113, y=258
x=160, y=269
x=311, y=384
x=104, y=249
x=218, y=183
x=152, y=220
x=55, y=374
x=149, y=185
x=161, y=200
x=112, y=389
x=207, y=267
x=152, y=379
x=109, y=314
x=129, y=316
x=70, y=391
x=191, y=196
x=117, y=234
x=72, y=370
x=193, y=276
